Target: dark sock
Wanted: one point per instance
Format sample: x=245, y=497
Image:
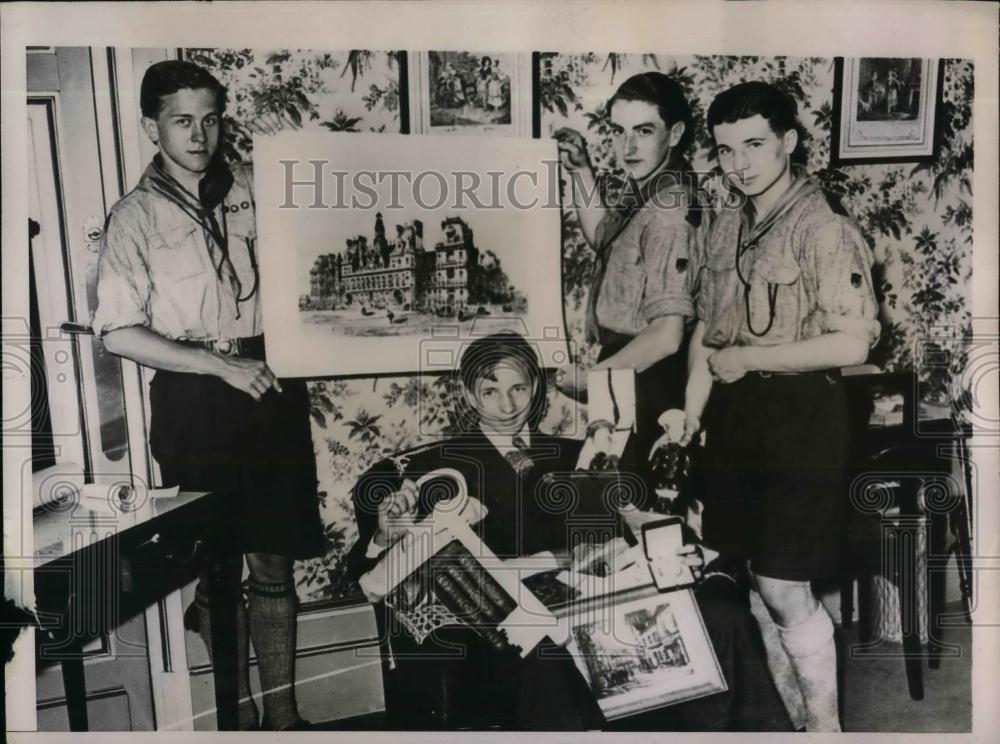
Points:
x=272, y=611
x=247, y=710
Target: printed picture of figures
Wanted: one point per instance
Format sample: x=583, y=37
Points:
x=640, y=654
x=889, y=89
x=405, y=282
x=469, y=89
x=363, y=273
x=884, y=110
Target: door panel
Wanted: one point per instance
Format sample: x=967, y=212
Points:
x=84, y=384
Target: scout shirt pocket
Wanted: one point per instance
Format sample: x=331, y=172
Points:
x=774, y=301
x=178, y=253
x=719, y=299
x=183, y=280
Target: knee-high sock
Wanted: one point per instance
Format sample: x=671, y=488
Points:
x=247, y=710
x=272, y=610
x=813, y=654
x=779, y=663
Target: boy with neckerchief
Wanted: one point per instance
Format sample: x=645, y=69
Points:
x=178, y=291
x=785, y=300
x=646, y=245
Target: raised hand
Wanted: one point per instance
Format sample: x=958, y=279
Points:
x=572, y=149
x=271, y=123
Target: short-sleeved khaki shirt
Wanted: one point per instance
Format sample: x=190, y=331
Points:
x=651, y=261
x=157, y=266
x=808, y=270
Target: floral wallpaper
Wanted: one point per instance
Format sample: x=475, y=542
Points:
x=917, y=218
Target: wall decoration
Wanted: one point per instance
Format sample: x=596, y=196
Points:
x=885, y=110
x=471, y=93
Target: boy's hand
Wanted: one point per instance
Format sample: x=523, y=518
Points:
x=572, y=149
x=397, y=513
x=270, y=123
x=692, y=425
x=729, y=365
x=252, y=376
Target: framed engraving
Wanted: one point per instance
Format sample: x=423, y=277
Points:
x=885, y=110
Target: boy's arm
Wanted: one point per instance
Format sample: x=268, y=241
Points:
x=699, y=383
x=583, y=183
x=147, y=347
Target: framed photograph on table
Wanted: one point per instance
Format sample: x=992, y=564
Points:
x=470, y=93
x=642, y=649
x=885, y=110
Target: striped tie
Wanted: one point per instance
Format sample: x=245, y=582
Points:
x=518, y=456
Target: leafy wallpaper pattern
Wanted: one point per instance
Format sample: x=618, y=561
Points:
x=916, y=217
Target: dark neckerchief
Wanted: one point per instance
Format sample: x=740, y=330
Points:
x=801, y=187
x=212, y=190
x=632, y=197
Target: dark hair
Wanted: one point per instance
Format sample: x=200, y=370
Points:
x=172, y=75
x=666, y=94
x=746, y=100
x=481, y=358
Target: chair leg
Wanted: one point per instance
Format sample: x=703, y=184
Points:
x=865, y=588
x=847, y=602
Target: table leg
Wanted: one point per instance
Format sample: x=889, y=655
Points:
x=224, y=593
x=75, y=689
x=936, y=559
x=907, y=545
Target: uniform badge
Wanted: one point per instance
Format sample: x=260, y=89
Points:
x=681, y=265
x=856, y=280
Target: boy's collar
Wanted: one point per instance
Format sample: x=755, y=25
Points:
x=213, y=187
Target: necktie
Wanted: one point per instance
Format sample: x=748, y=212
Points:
x=518, y=456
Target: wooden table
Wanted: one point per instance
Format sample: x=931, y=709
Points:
x=906, y=455
x=96, y=568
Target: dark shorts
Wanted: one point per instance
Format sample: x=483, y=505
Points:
x=209, y=436
x=775, y=457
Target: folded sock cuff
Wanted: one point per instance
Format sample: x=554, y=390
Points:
x=809, y=636
x=272, y=591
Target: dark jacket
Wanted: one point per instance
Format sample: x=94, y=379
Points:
x=455, y=679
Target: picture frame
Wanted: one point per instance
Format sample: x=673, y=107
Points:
x=470, y=93
x=402, y=280
x=642, y=649
x=885, y=110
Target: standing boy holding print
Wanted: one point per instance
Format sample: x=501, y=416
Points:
x=785, y=301
x=177, y=291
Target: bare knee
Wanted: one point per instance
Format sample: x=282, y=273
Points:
x=789, y=602
x=268, y=568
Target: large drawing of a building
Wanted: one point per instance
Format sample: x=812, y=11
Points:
x=453, y=277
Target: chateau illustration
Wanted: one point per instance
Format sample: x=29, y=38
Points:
x=453, y=278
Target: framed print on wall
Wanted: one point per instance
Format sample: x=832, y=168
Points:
x=885, y=110
x=468, y=92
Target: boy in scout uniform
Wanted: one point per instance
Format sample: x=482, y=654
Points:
x=177, y=291
x=646, y=245
x=786, y=300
